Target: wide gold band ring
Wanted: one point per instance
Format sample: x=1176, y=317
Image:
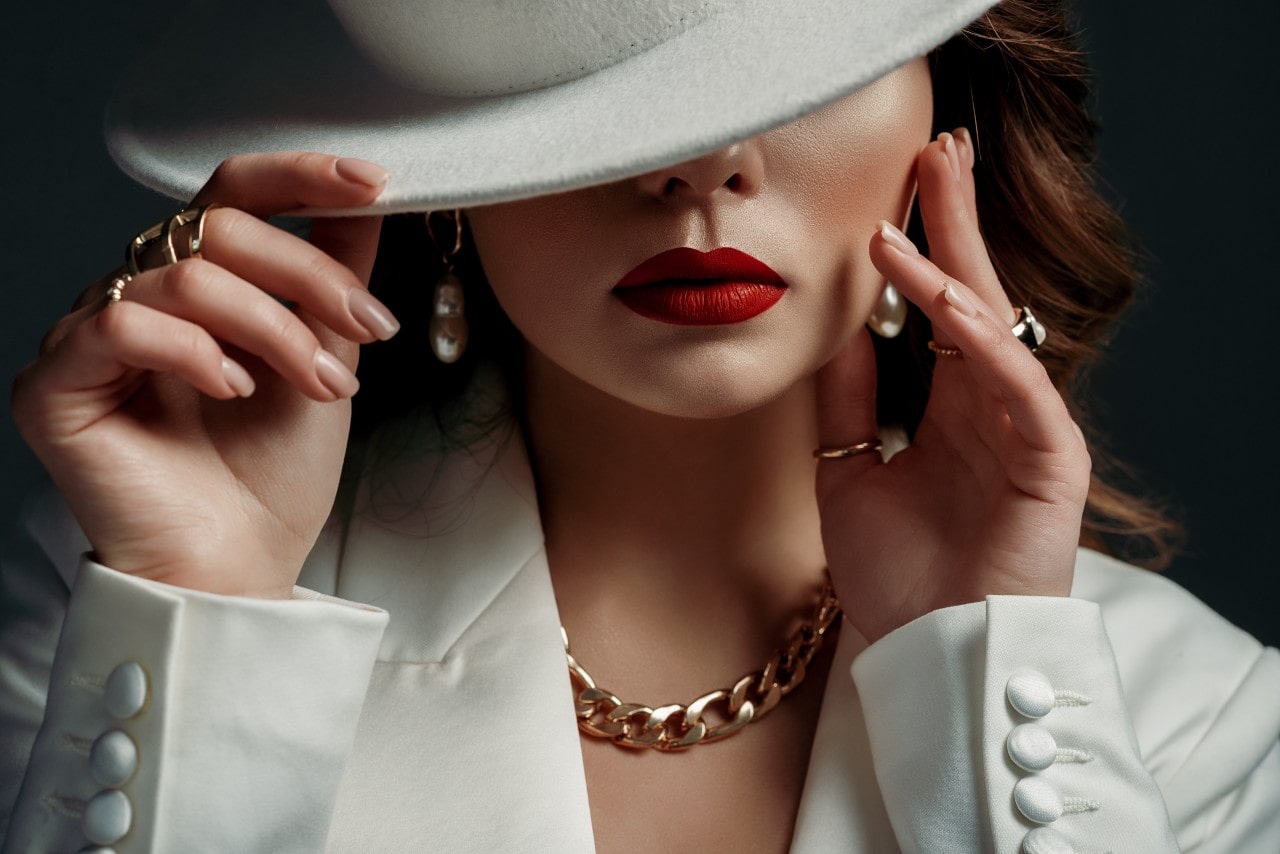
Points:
x=163, y=234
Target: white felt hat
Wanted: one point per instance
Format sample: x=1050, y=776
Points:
x=474, y=101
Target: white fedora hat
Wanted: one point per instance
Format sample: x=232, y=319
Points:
x=475, y=101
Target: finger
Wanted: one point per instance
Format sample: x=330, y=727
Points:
x=293, y=269
x=949, y=212
x=893, y=254
x=240, y=313
x=847, y=400
x=997, y=361
x=130, y=337
x=351, y=241
x=272, y=183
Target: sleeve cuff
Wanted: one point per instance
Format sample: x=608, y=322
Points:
x=1002, y=723
x=182, y=720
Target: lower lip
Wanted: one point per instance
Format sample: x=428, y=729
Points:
x=701, y=303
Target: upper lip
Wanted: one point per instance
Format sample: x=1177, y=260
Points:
x=688, y=264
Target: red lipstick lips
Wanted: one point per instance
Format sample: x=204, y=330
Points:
x=691, y=288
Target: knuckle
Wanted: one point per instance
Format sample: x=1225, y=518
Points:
x=318, y=269
x=187, y=280
x=996, y=339
x=193, y=346
x=310, y=161
x=228, y=171
x=115, y=323
x=229, y=226
x=290, y=334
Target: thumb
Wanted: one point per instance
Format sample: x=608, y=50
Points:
x=847, y=400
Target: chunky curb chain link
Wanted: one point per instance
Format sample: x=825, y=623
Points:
x=675, y=727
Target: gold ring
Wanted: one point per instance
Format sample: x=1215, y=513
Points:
x=163, y=233
x=842, y=452
x=944, y=351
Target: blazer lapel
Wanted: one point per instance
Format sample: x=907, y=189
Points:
x=468, y=741
x=841, y=808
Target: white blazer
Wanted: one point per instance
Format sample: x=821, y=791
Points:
x=413, y=696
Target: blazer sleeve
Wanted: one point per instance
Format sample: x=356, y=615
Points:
x=1015, y=725
x=147, y=717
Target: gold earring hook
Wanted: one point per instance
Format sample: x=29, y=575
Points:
x=447, y=257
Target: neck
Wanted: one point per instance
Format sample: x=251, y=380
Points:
x=703, y=533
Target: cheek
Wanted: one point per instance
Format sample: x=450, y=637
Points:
x=532, y=275
x=858, y=155
x=849, y=166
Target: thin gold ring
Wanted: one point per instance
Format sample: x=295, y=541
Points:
x=944, y=351
x=842, y=452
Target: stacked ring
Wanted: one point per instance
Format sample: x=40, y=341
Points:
x=1025, y=328
x=163, y=233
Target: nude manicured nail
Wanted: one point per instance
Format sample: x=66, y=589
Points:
x=370, y=313
x=361, y=172
x=897, y=239
x=237, y=377
x=334, y=375
x=965, y=140
x=953, y=153
x=959, y=301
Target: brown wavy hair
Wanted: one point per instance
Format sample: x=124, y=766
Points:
x=1019, y=81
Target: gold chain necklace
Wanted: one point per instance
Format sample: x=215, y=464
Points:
x=676, y=727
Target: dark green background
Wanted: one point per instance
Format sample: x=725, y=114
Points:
x=1189, y=148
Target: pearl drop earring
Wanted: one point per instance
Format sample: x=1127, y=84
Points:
x=448, y=329
x=890, y=314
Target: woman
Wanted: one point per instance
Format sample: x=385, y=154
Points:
x=670, y=401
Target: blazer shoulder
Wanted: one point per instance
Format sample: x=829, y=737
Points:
x=1144, y=611
x=1186, y=671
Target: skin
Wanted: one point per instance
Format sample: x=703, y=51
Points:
x=678, y=494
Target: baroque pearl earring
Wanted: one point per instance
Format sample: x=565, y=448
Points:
x=448, y=329
x=890, y=314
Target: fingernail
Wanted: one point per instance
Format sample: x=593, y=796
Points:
x=959, y=301
x=237, y=377
x=370, y=313
x=361, y=172
x=966, y=145
x=334, y=375
x=953, y=154
x=896, y=238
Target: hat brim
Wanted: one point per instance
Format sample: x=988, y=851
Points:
x=284, y=76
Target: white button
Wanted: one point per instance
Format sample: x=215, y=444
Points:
x=126, y=692
x=1030, y=693
x=1046, y=840
x=1037, y=800
x=1032, y=747
x=107, y=817
x=113, y=759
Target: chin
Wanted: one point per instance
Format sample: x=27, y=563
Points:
x=708, y=389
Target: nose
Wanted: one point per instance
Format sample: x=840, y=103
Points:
x=736, y=169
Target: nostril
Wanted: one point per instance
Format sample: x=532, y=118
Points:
x=734, y=182
x=670, y=188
